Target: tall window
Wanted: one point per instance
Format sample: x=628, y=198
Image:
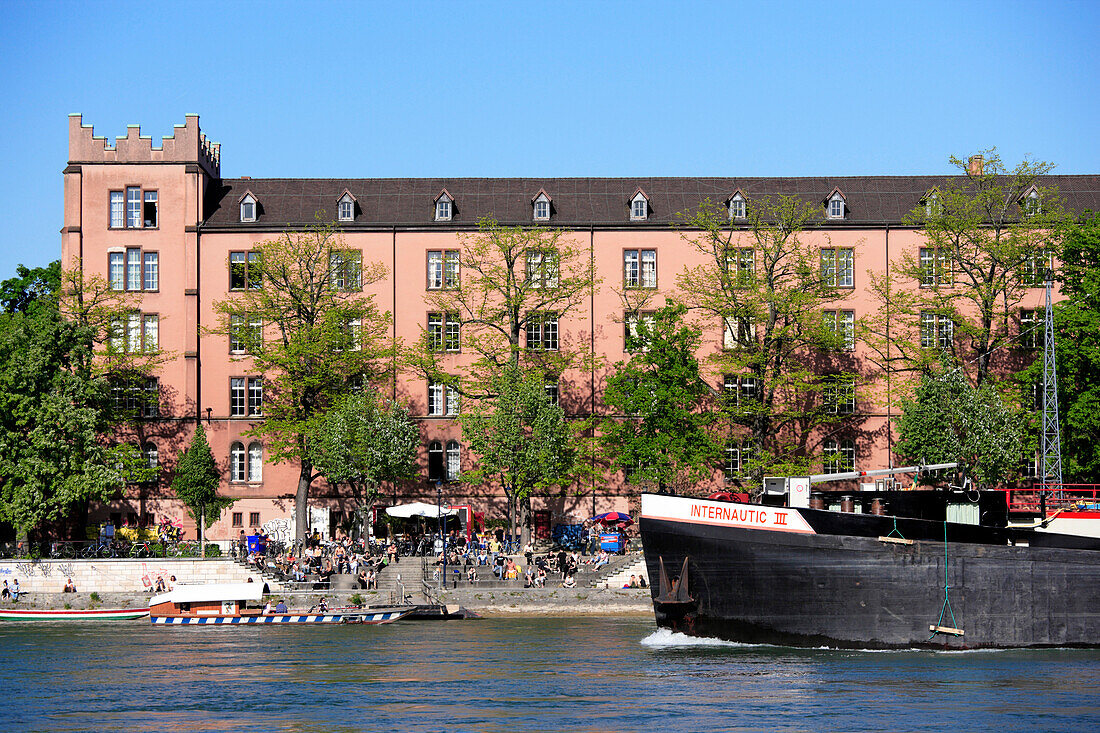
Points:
x=442, y=269
x=436, y=467
x=138, y=397
x=246, y=396
x=442, y=400
x=838, y=394
x=443, y=209
x=738, y=455
x=640, y=268
x=152, y=455
x=135, y=334
x=741, y=266
x=738, y=332
x=541, y=210
x=542, y=269
x=631, y=336
x=133, y=209
x=836, y=207
x=737, y=207
x=935, y=266
x=639, y=208
x=150, y=271
x=936, y=331
x=133, y=270
x=255, y=462
x=243, y=331
x=244, y=270
x=345, y=209
x=740, y=391
x=542, y=332
x=842, y=326
x=345, y=270
x=1032, y=327
x=246, y=466
x=238, y=466
x=248, y=208
x=838, y=267
x=1033, y=270
x=443, y=331
x=454, y=462
x=551, y=388
x=840, y=455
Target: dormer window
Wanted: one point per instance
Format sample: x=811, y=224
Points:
x=248, y=208
x=932, y=206
x=737, y=206
x=345, y=207
x=1030, y=202
x=444, y=206
x=541, y=207
x=835, y=205
x=639, y=206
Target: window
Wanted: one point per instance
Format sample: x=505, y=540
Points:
x=840, y=455
x=442, y=269
x=551, y=388
x=238, y=469
x=443, y=207
x=133, y=209
x=836, y=206
x=244, y=270
x=738, y=456
x=632, y=339
x=932, y=205
x=238, y=519
x=1031, y=465
x=345, y=270
x=838, y=394
x=841, y=325
x=435, y=461
x=443, y=332
x=255, y=463
x=246, y=467
x=936, y=331
x=136, y=334
x=542, y=332
x=1031, y=204
x=935, y=265
x=741, y=266
x=133, y=269
x=442, y=400
x=640, y=268
x=541, y=211
x=454, y=464
x=244, y=330
x=542, y=269
x=353, y=334
x=1034, y=268
x=253, y=519
x=737, y=206
x=738, y=332
x=248, y=208
x=740, y=391
x=345, y=207
x=639, y=207
x=137, y=397
x=1032, y=328
x=838, y=267
x=152, y=455
x=246, y=396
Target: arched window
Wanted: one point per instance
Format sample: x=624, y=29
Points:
x=237, y=467
x=255, y=462
x=152, y=457
x=454, y=464
x=435, y=461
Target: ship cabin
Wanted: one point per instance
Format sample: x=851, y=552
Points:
x=225, y=600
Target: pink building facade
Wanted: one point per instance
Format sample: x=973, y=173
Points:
x=161, y=222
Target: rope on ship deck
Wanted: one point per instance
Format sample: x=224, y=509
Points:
x=896, y=530
x=939, y=628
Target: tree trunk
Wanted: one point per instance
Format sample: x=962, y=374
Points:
x=301, y=501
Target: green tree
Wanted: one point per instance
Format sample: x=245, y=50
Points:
x=30, y=286
x=522, y=439
x=779, y=301
x=363, y=442
x=306, y=324
x=196, y=480
x=949, y=420
x=660, y=434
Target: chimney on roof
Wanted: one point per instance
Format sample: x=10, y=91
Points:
x=974, y=168
x=246, y=178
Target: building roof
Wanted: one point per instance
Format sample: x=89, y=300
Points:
x=578, y=202
x=211, y=592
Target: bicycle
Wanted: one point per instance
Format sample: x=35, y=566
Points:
x=142, y=549
x=183, y=548
x=63, y=550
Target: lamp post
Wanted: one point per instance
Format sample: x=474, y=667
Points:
x=442, y=535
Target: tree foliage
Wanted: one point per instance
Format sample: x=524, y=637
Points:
x=31, y=286
x=362, y=442
x=310, y=329
x=660, y=434
x=196, y=480
x=949, y=420
x=769, y=289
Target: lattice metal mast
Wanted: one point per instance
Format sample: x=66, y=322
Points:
x=1051, y=441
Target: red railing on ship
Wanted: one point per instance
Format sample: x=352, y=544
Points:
x=1053, y=496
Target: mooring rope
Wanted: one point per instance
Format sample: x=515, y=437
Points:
x=946, y=599
x=895, y=529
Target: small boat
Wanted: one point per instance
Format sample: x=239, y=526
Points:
x=87, y=614
x=227, y=604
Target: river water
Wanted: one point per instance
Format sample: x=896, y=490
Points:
x=529, y=674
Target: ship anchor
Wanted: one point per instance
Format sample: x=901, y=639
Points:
x=674, y=602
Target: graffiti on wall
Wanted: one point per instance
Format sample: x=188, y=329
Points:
x=278, y=529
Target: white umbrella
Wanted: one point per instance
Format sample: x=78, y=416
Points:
x=420, y=509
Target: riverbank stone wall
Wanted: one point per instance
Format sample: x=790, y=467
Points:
x=119, y=575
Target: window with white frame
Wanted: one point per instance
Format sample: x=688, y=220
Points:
x=841, y=325
x=741, y=266
x=442, y=400
x=443, y=208
x=1034, y=268
x=836, y=206
x=152, y=455
x=737, y=207
x=838, y=267
x=932, y=206
x=936, y=331
x=1031, y=203
x=246, y=396
x=739, y=390
x=442, y=269
x=542, y=269
x=454, y=460
x=244, y=270
x=640, y=268
x=137, y=333
x=738, y=332
x=542, y=332
x=739, y=453
x=133, y=208
x=245, y=331
x=345, y=208
x=138, y=397
x=345, y=270
x=443, y=332
x=255, y=462
x=639, y=208
x=935, y=266
x=632, y=336
x=541, y=210
x=551, y=388
x=838, y=394
x=1032, y=328
x=840, y=455
x=133, y=269
x=248, y=208
x=246, y=466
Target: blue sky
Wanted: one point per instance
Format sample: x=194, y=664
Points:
x=545, y=89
